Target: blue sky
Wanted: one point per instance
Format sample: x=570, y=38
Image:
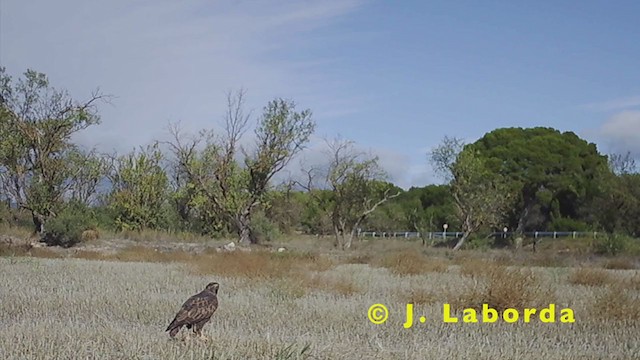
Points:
x=395, y=77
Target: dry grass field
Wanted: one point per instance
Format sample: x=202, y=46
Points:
x=313, y=305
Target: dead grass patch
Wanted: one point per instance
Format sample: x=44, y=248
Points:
x=9, y=250
x=340, y=285
x=287, y=289
x=44, y=253
x=620, y=264
x=259, y=264
x=590, y=277
x=359, y=259
x=617, y=303
x=418, y=296
x=89, y=255
x=255, y=264
x=504, y=259
x=473, y=267
x=502, y=287
x=27, y=250
x=412, y=263
x=158, y=236
x=148, y=254
x=19, y=232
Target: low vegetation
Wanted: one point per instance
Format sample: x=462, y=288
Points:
x=304, y=304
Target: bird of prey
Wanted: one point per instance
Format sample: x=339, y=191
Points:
x=196, y=311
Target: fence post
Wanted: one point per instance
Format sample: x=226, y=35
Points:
x=574, y=234
x=554, y=234
x=535, y=235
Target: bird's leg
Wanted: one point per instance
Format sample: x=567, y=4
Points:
x=200, y=335
x=184, y=338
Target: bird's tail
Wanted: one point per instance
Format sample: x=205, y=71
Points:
x=174, y=331
x=173, y=322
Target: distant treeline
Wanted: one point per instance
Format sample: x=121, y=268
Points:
x=533, y=179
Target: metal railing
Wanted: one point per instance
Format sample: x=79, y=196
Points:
x=454, y=234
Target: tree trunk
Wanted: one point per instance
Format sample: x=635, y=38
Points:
x=38, y=223
x=349, y=240
x=339, y=242
x=523, y=216
x=246, y=233
x=464, y=237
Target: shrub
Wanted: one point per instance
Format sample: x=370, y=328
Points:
x=502, y=287
x=589, y=277
x=617, y=303
x=568, y=224
x=412, y=263
x=610, y=245
x=620, y=264
x=264, y=228
x=479, y=243
x=66, y=229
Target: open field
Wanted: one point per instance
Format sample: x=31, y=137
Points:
x=306, y=305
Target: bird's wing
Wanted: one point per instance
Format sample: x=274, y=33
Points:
x=197, y=308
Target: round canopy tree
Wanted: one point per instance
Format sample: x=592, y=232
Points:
x=554, y=174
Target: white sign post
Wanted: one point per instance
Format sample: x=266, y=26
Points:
x=444, y=233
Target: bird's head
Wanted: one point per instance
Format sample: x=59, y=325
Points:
x=213, y=287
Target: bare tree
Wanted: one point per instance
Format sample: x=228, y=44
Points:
x=622, y=164
x=356, y=188
x=89, y=169
x=231, y=179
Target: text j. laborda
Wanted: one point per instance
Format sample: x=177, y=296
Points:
x=378, y=314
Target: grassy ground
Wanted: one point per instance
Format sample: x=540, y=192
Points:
x=307, y=304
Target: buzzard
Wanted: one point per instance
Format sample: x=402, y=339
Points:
x=196, y=311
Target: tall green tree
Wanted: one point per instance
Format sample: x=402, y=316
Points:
x=430, y=207
x=481, y=197
x=554, y=174
x=37, y=122
x=234, y=181
x=139, y=187
x=617, y=208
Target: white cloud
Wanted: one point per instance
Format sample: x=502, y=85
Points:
x=621, y=132
x=168, y=61
x=316, y=155
x=616, y=104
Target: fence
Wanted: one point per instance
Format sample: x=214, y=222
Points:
x=455, y=235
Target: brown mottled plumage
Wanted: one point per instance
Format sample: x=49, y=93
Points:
x=196, y=311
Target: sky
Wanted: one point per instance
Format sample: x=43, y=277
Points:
x=395, y=77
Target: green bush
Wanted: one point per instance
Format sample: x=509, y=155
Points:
x=264, y=228
x=479, y=243
x=66, y=229
x=567, y=224
x=611, y=244
x=104, y=217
